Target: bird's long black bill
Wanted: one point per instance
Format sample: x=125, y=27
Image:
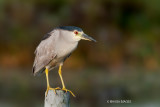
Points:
x=86, y=37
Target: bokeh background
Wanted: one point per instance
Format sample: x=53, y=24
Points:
x=122, y=65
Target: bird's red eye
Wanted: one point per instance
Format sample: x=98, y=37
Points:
x=76, y=32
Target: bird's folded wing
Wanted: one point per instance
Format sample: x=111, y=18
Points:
x=44, y=53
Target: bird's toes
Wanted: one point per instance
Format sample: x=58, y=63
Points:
x=57, y=88
x=66, y=90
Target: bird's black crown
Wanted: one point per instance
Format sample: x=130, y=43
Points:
x=70, y=28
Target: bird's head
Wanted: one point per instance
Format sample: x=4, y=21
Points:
x=74, y=33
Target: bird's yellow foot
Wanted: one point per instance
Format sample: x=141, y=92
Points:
x=54, y=89
x=64, y=89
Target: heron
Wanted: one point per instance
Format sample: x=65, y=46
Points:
x=54, y=48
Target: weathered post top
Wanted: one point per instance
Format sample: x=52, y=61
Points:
x=58, y=99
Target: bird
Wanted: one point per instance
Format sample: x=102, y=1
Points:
x=55, y=47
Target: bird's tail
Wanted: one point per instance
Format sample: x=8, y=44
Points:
x=38, y=72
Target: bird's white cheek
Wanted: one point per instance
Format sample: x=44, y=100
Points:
x=77, y=38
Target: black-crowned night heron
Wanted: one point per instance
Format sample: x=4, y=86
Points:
x=55, y=48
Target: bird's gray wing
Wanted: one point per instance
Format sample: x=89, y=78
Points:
x=44, y=53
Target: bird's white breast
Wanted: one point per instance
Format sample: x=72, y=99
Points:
x=65, y=49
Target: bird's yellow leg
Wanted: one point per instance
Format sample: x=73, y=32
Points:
x=63, y=86
x=48, y=86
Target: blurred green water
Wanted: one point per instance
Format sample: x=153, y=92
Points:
x=91, y=86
